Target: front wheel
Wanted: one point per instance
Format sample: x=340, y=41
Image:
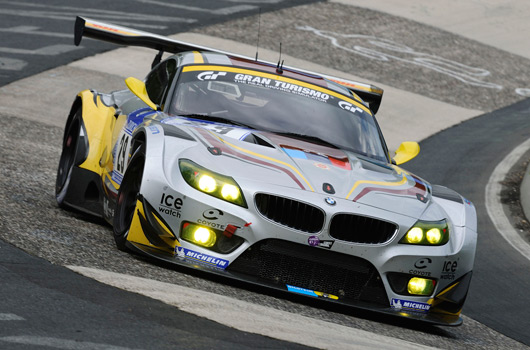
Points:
x=127, y=197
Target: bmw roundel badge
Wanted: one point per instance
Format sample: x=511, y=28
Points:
x=330, y=201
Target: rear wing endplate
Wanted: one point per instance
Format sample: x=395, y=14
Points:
x=120, y=35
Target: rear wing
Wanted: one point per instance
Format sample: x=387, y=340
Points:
x=116, y=34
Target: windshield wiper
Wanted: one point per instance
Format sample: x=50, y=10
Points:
x=309, y=138
x=215, y=119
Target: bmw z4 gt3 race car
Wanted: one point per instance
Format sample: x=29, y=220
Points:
x=268, y=174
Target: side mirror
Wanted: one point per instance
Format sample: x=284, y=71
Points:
x=137, y=87
x=406, y=151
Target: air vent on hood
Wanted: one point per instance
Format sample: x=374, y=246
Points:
x=361, y=229
x=288, y=212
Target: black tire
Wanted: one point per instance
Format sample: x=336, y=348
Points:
x=70, y=155
x=127, y=196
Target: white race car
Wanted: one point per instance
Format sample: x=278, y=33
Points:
x=268, y=174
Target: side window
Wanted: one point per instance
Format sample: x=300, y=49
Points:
x=158, y=80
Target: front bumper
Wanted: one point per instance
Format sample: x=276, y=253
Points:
x=311, y=264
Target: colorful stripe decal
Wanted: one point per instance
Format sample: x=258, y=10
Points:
x=220, y=143
x=321, y=158
x=408, y=191
x=109, y=29
x=379, y=183
x=418, y=188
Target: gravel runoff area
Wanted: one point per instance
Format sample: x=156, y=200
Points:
x=399, y=52
x=31, y=220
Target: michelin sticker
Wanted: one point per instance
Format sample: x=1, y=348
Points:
x=188, y=254
x=407, y=305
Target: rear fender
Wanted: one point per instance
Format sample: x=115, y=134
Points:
x=99, y=121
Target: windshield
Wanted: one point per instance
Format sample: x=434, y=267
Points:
x=277, y=104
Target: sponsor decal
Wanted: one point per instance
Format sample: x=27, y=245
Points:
x=170, y=205
x=210, y=75
x=420, y=273
x=310, y=292
x=314, y=241
x=121, y=149
x=282, y=86
x=420, y=265
x=214, y=225
x=407, y=305
x=449, y=268
x=154, y=130
x=188, y=254
x=212, y=214
x=349, y=107
x=107, y=210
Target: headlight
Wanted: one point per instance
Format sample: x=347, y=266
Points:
x=427, y=233
x=217, y=185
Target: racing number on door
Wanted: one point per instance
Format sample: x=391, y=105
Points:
x=122, y=153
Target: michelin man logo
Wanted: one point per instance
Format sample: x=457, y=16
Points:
x=210, y=75
x=396, y=304
x=180, y=252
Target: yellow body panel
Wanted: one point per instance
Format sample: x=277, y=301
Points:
x=99, y=124
x=406, y=151
x=138, y=88
x=137, y=235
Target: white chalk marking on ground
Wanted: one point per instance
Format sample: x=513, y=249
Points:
x=11, y=317
x=494, y=205
x=249, y=317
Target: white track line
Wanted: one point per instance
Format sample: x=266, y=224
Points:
x=250, y=317
x=494, y=205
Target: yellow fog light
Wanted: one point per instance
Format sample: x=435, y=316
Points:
x=204, y=237
x=434, y=236
x=207, y=183
x=415, y=235
x=198, y=235
x=420, y=286
x=230, y=192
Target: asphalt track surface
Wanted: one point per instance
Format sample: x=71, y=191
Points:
x=29, y=318
x=498, y=295
x=49, y=306
x=37, y=36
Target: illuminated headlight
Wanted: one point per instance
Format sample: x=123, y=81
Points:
x=217, y=185
x=427, y=233
x=420, y=286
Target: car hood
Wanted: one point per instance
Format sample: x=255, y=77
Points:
x=290, y=162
